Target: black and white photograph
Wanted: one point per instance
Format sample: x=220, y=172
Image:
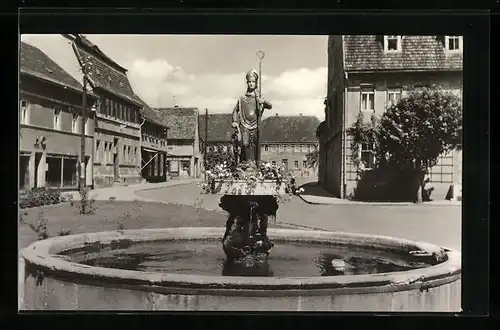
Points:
x=199, y=172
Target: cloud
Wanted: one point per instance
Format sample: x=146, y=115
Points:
x=162, y=84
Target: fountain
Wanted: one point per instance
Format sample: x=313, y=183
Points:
x=53, y=273
x=185, y=268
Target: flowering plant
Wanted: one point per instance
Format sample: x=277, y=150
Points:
x=251, y=173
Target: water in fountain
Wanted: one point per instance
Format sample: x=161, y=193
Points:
x=287, y=260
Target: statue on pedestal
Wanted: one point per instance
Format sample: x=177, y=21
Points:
x=246, y=118
x=245, y=241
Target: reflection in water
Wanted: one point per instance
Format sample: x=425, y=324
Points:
x=286, y=260
x=230, y=268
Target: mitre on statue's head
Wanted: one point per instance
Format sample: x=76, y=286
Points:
x=252, y=73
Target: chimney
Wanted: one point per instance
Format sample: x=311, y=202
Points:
x=300, y=114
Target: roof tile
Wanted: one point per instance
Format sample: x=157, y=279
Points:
x=180, y=121
x=290, y=129
x=148, y=113
x=35, y=62
x=219, y=127
x=105, y=73
x=365, y=52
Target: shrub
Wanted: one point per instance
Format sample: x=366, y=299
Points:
x=86, y=204
x=407, y=141
x=39, y=197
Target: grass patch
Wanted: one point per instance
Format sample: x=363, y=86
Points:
x=64, y=219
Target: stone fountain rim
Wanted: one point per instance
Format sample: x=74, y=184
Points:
x=38, y=255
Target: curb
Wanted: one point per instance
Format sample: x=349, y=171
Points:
x=358, y=203
x=165, y=186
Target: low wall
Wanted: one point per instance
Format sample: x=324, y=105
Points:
x=49, y=282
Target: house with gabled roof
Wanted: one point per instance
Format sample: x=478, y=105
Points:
x=183, y=151
x=216, y=131
x=286, y=141
x=366, y=75
x=154, y=142
x=50, y=120
x=118, y=116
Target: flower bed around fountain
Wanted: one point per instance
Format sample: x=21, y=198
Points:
x=49, y=281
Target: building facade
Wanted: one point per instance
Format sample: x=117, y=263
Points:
x=368, y=73
x=117, y=137
x=286, y=141
x=183, y=150
x=50, y=124
x=153, y=146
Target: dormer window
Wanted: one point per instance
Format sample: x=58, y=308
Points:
x=453, y=43
x=392, y=43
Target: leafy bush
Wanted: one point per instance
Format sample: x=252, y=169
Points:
x=39, y=197
x=86, y=204
x=216, y=155
x=407, y=141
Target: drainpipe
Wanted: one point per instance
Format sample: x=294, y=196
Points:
x=344, y=139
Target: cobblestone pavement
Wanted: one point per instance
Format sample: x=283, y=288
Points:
x=437, y=224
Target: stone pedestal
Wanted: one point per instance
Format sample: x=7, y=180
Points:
x=245, y=241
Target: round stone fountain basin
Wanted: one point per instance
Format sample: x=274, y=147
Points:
x=51, y=281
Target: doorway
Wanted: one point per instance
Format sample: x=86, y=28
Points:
x=24, y=161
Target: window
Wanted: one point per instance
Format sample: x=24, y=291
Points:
x=57, y=118
x=273, y=162
x=98, y=151
x=74, y=121
x=124, y=153
x=392, y=43
x=393, y=96
x=113, y=108
x=24, y=112
x=304, y=163
x=296, y=148
x=296, y=164
x=453, y=43
x=284, y=162
x=367, y=99
x=266, y=147
x=367, y=155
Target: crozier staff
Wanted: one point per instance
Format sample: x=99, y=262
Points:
x=246, y=116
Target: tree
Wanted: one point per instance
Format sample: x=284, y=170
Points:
x=216, y=155
x=312, y=159
x=412, y=134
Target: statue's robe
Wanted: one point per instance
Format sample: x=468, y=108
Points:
x=246, y=114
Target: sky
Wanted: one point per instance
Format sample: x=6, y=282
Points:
x=208, y=71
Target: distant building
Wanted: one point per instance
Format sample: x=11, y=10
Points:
x=50, y=124
x=286, y=140
x=117, y=127
x=368, y=73
x=183, y=157
x=153, y=145
x=219, y=133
